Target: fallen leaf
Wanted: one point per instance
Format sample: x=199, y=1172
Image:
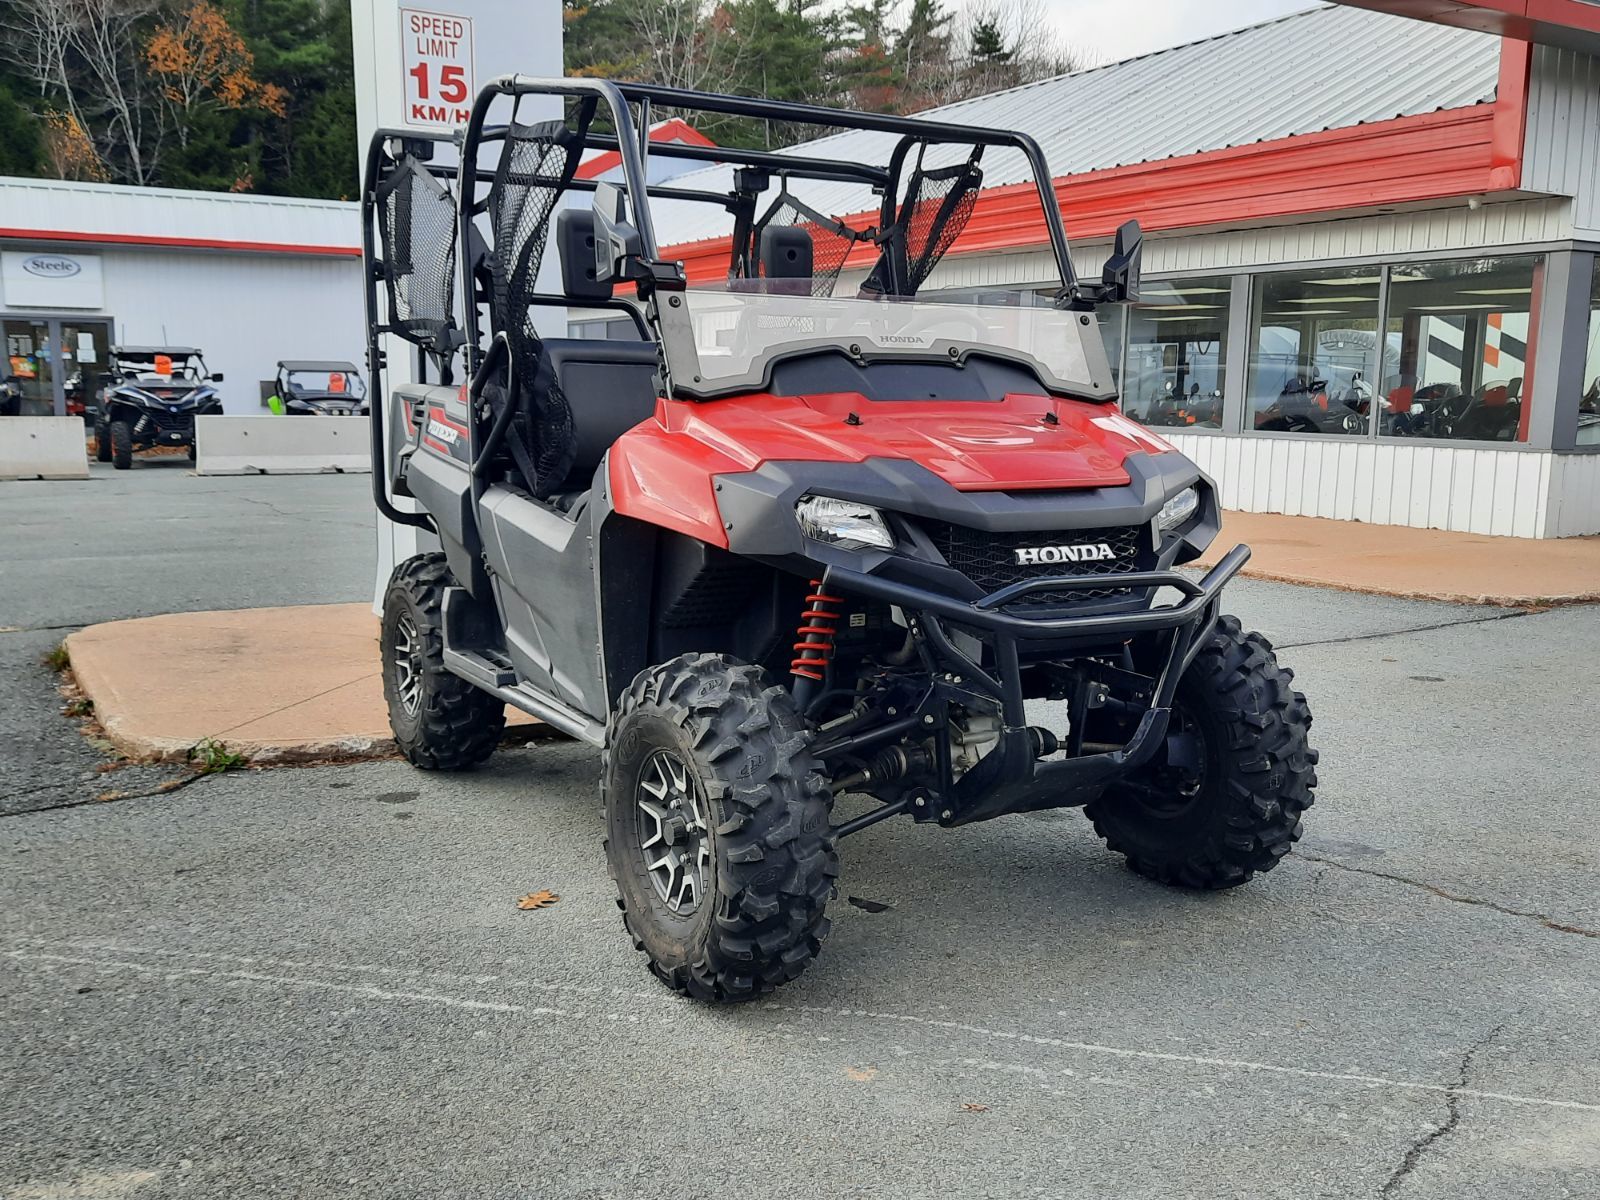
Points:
x=974, y=1108
x=871, y=906
x=862, y=1074
x=541, y=899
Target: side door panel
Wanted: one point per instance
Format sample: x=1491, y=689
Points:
x=543, y=565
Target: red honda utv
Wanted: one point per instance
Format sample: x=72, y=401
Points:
x=798, y=525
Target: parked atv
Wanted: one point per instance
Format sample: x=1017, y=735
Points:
x=319, y=389
x=10, y=396
x=792, y=545
x=152, y=399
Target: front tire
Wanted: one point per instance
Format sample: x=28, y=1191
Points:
x=121, y=445
x=717, y=828
x=1222, y=798
x=440, y=721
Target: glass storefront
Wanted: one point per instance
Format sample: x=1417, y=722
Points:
x=1589, y=402
x=1175, y=364
x=1459, y=341
x=1314, y=337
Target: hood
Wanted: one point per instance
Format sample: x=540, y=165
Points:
x=973, y=446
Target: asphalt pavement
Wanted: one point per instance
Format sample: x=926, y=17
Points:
x=315, y=982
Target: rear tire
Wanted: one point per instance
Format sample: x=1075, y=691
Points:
x=440, y=721
x=1212, y=823
x=121, y=445
x=102, y=442
x=706, y=743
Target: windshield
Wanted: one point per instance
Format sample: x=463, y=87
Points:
x=162, y=368
x=335, y=383
x=739, y=334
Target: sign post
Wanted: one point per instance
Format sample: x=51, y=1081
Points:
x=421, y=68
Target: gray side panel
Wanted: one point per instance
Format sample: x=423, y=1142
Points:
x=544, y=578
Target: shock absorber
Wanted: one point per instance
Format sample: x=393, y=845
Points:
x=818, y=623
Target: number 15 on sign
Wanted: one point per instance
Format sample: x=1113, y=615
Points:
x=437, y=58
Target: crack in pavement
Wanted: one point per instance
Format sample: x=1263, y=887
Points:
x=1367, y=637
x=1452, y=1104
x=164, y=789
x=1544, y=919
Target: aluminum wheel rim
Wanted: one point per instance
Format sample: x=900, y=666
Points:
x=673, y=837
x=407, y=659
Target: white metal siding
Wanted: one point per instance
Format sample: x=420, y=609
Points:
x=1506, y=493
x=1562, y=148
x=1574, y=496
x=245, y=311
x=91, y=208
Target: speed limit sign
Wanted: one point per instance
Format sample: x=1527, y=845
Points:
x=436, y=49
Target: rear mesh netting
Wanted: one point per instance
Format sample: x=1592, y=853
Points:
x=938, y=205
x=831, y=239
x=417, y=228
x=537, y=164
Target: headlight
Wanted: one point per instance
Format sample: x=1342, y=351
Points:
x=843, y=522
x=1178, y=510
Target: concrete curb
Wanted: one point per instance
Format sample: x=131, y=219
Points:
x=275, y=685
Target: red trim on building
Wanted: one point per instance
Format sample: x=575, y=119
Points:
x=1433, y=156
x=674, y=130
x=180, y=243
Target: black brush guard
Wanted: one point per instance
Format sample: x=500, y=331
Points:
x=1011, y=778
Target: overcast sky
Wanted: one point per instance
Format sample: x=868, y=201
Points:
x=1117, y=29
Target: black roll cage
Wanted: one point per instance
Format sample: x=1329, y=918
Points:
x=665, y=323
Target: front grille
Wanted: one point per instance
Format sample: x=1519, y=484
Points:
x=990, y=559
x=170, y=422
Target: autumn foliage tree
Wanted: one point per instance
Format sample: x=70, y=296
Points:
x=199, y=61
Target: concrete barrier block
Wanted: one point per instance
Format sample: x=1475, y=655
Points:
x=43, y=448
x=279, y=445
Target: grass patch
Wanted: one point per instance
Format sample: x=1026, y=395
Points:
x=58, y=659
x=82, y=706
x=211, y=757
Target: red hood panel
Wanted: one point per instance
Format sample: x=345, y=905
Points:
x=972, y=446
x=664, y=470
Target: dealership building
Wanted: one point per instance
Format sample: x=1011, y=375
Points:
x=1370, y=287
x=1370, y=259
x=248, y=280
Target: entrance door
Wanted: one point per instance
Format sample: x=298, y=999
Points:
x=85, y=357
x=28, y=360
x=60, y=362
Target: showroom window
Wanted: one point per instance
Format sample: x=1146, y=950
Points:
x=1458, y=348
x=1314, y=335
x=1175, y=360
x=1589, y=402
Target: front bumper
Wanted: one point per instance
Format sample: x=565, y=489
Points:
x=1010, y=778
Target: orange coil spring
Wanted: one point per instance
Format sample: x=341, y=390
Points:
x=817, y=627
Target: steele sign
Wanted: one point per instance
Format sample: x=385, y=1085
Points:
x=438, y=65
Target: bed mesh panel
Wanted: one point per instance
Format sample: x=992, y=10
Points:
x=536, y=165
x=938, y=205
x=417, y=229
x=831, y=240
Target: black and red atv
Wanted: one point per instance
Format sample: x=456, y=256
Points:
x=811, y=528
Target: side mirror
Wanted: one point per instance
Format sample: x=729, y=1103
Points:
x=217, y=378
x=615, y=241
x=1119, y=282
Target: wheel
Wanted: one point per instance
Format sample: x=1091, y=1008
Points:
x=440, y=721
x=121, y=445
x=1222, y=798
x=194, y=452
x=102, y=442
x=717, y=828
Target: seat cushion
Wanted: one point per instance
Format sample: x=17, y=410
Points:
x=609, y=388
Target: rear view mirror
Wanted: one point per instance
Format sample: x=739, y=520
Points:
x=615, y=241
x=217, y=378
x=1119, y=282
